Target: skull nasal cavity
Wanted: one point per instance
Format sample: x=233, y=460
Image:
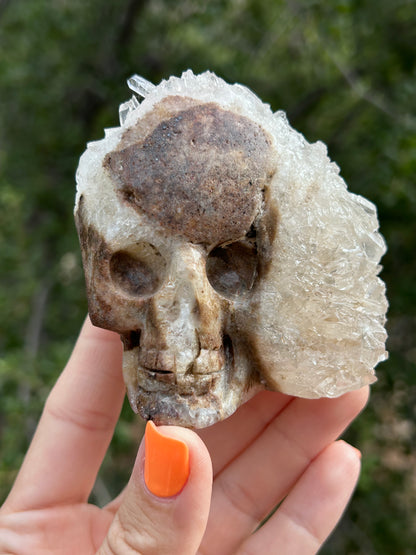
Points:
x=199, y=174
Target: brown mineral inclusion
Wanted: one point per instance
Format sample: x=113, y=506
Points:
x=217, y=165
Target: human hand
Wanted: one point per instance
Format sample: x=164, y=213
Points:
x=273, y=448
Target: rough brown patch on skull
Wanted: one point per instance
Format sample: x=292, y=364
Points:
x=198, y=174
x=167, y=108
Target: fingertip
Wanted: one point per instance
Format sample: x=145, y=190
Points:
x=349, y=450
x=199, y=460
x=89, y=330
x=167, y=500
x=166, y=465
x=344, y=458
x=351, y=403
x=311, y=510
x=100, y=351
x=360, y=397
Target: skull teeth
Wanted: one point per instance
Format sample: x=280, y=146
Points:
x=200, y=377
x=162, y=362
x=184, y=385
x=165, y=376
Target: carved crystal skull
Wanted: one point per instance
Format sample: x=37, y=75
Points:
x=227, y=253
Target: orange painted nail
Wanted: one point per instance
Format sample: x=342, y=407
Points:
x=166, y=463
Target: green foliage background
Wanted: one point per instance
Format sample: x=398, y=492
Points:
x=345, y=73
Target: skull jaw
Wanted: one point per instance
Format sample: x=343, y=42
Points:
x=209, y=399
x=189, y=411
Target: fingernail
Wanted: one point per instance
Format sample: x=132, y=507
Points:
x=166, y=463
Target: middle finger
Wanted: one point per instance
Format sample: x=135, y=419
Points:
x=250, y=486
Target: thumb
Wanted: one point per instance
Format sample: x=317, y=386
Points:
x=166, y=503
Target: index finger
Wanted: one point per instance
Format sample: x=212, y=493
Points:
x=76, y=426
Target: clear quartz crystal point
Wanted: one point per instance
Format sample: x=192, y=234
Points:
x=127, y=107
x=140, y=85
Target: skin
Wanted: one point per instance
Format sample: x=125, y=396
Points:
x=274, y=447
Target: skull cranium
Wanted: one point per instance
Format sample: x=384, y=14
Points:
x=205, y=246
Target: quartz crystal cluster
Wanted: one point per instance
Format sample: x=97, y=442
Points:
x=227, y=253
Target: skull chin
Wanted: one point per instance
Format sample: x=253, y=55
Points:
x=210, y=389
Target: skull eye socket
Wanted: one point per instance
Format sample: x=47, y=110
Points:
x=232, y=268
x=138, y=270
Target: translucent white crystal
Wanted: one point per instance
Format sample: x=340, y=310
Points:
x=127, y=107
x=140, y=85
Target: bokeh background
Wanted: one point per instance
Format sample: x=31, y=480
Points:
x=345, y=73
